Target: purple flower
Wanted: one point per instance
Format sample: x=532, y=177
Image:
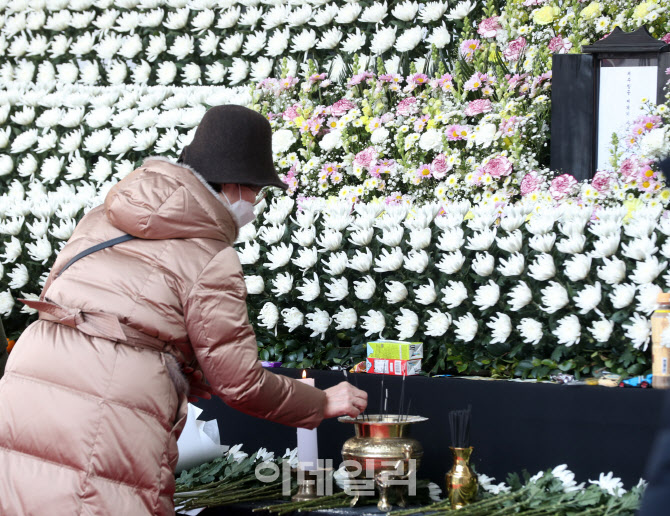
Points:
x=601, y=181
x=366, y=157
x=476, y=107
x=514, y=49
x=559, y=45
x=531, y=182
x=440, y=166
x=468, y=48
x=407, y=107
x=341, y=107
x=561, y=186
x=418, y=78
x=498, y=167
x=291, y=112
x=489, y=27
x=666, y=38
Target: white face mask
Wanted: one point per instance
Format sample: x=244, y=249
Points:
x=242, y=210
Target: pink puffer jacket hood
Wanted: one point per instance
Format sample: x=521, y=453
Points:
x=89, y=424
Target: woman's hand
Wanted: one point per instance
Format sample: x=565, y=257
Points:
x=344, y=400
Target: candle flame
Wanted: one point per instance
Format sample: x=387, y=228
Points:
x=304, y=373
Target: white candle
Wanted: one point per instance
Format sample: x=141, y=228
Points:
x=308, y=450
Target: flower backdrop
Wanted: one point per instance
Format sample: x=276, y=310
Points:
x=420, y=205
x=106, y=42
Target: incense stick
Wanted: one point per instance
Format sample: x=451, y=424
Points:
x=386, y=400
x=402, y=397
x=381, y=400
x=409, y=406
x=459, y=421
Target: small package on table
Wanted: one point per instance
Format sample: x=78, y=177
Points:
x=395, y=349
x=393, y=367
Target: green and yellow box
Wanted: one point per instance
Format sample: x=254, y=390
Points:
x=395, y=350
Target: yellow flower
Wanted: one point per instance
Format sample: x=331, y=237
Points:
x=641, y=11
x=631, y=205
x=431, y=123
x=592, y=10
x=298, y=121
x=665, y=194
x=545, y=15
x=367, y=111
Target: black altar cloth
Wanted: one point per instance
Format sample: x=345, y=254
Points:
x=515, y=425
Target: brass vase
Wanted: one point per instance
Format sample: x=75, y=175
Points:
x=461, y=480
x=383, y=448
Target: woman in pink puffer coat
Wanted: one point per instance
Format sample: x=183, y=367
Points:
x=94, y=396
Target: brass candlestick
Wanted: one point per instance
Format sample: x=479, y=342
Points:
x=312, y=484
x=461, y=480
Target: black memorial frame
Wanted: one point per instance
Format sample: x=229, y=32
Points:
x=574, y=96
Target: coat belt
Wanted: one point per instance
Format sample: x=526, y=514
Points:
x=97, y=324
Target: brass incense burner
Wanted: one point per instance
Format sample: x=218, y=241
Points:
x=386, y=454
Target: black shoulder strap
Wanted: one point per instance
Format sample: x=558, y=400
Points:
x=97, y=247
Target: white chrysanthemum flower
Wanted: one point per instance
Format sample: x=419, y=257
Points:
x=416, y=261
x=454, y=294
x=177, y=20
x=588, y=298
x=304, y=41
x=354, y=42
x=647, y=298
x=554, y=297
x=203, y=20
x=338, y=289
x=466, y=327
x=12, y=250
x=438, y=324
x=330, y=39
x=304, y=237
x=182, y=47
x=157, y=45
x=330, y=240
x=405, y=11
x=409, y=39
x=648, y=270
x=12, y=226
x=306, y=258
x=622, y=295
x=268, y=316
x=406, y=323
x=28, y=166
x=483, y=264
x=572, y=245
x=613, y=272
x=215, y=73
x=18, y=276
x=433, y=11
x=345, y=319
x=254, y=43
x=166, y=73
x=542, y=268
x=451, y=263
x=293, y=318
x=513, y=266
x=426, y=294
x=318, y=322
x=638, y=330
x=6, y=165
x=612, y=485
x=278, y=256
x=568, y=330
x=601, y=330
x=251, y=16
x=24, y=141
x=278, y=43
x=383, y=40
x=640, y=248
x=40, y=251
x=336, y=264
x=261, y=69
x=481, y=240
x=229, y=18
x=578, y=267
x=463, y=8
x=389, y=261
x=238, y=71
x=361, y=261
x=255, y=284
x=51, y=168
x=501, y=326
x=374, y=13
x=64, y=229
x=348, y=12
x=487, y=295
x=373, y=323
x=6, y=303
x=365, y=288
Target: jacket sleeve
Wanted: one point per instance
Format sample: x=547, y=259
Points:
x=215, y=312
